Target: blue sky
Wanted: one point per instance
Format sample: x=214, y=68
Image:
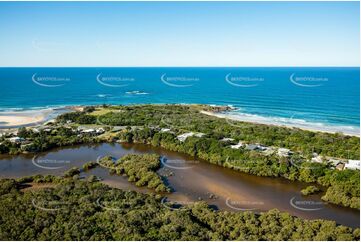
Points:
x=179, y=34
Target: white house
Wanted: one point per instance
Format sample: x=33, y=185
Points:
x=183, y=137
x=334, y=162
x=226, y=139
x=199, y=135
x=16, y=139
x=237, y=146
x=256, y=147
x=49, y=122
x=118, y=128
x=88, y=131
x=35, y=130
x=316, y=158
x=85, y=130
x=48, y=130
x=340, y=166
x=99, y=130
x=353, y=165
x=283, y=152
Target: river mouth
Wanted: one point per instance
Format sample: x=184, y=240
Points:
x=191, y=179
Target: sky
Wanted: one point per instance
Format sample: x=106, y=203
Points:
x=86, y=34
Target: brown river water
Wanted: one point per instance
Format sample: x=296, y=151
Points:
x=191, y=180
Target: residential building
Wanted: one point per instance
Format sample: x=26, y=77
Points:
x=226, y=139
x=353, y=165
x=184, y=136
x=237, y=146
x=283, y=152
x=16, y=139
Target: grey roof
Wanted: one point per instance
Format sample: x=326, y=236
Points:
x=251, y=147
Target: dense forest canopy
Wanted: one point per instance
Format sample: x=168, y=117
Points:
x=70, y=209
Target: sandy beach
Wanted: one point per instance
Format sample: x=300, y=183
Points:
x=9, y=120
x=16, y=119
x=283, y=122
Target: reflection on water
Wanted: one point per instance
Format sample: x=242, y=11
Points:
x=191, y=180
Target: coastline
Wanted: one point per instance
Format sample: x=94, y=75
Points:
x=229, y=116
x=26, y=118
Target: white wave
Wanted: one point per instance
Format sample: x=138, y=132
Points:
x=102, y=95
x=136, y=92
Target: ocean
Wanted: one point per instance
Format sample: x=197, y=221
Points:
x=315, y=98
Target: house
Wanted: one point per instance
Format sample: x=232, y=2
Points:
x=316, y=158
x=199, y=135
x=35, y=130
x=269, y=151
x=16, y=139
x=353, y=165
x=257, y=147
x=99, y=131
x=251, y=147
x=334, y=162
x=283, y=152
x=8, y=135
x=93, y=131
x=226, y=139
x=262, y=147
x=80, y=128
x=152, y=127
x=118, y=128
x=184, y=136
x=340, y=166
x=137, y=128
x=237, y=146
x=27, y=147
x=164, y=130
x=49, y=122
x=84, y=130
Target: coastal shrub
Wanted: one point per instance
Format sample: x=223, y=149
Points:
x=89, y=109
x=310, y=190
x=23, y=132
x=72, y=172
x=92, y=178
x=4, y=148
x=77, y=117
x=140, y=169
x=89, y=165
x=96, y=212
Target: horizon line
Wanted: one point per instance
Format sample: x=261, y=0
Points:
x=179, y=66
